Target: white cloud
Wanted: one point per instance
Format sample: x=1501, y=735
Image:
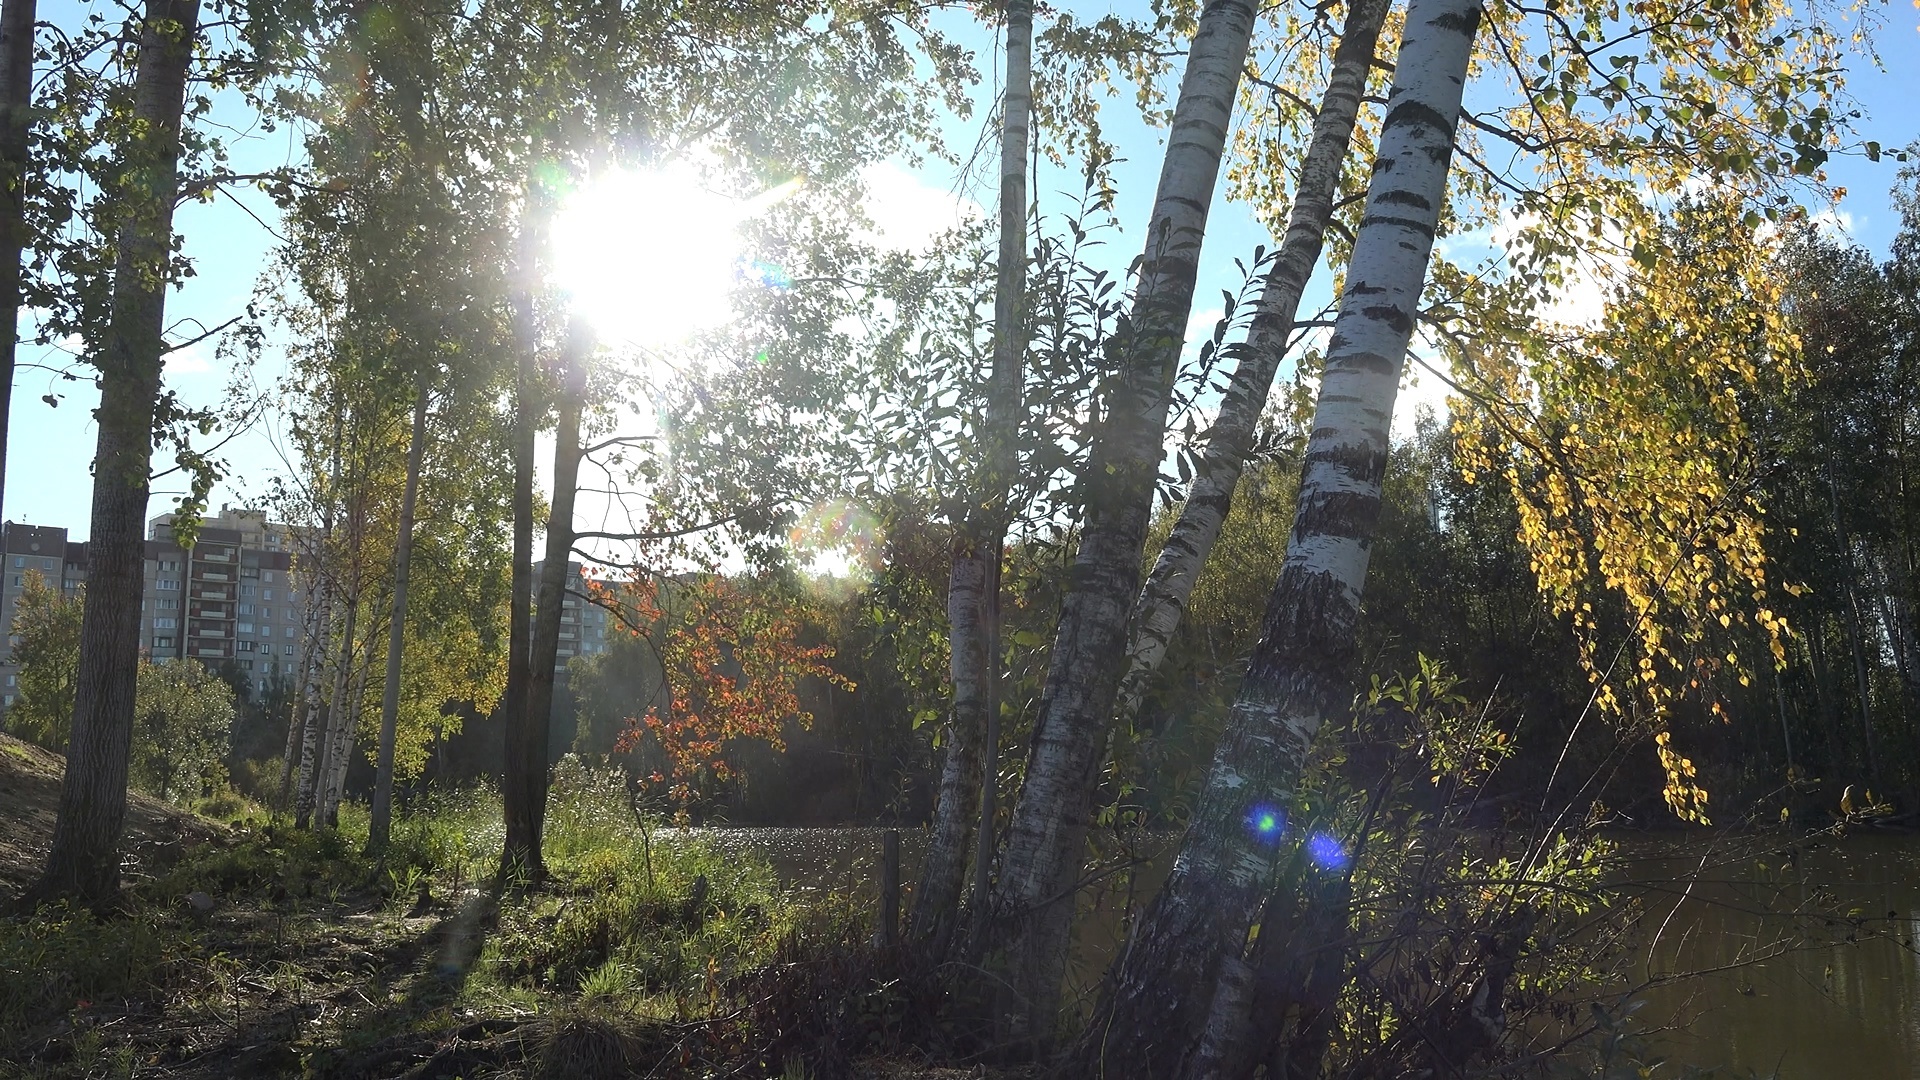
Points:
x=191, y=360
x=907, y=211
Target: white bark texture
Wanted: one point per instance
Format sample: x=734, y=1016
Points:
x=1156, y=1002
x=340, y=719
x=972, y=761
x=1026, y=942
x=313, y=746
x=1163, y=601
x=936, y=901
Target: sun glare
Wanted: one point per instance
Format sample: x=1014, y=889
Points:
x=652, y=257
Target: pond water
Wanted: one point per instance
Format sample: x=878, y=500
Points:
x=1780, y=987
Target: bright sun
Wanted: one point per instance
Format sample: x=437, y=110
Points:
x=652, y=257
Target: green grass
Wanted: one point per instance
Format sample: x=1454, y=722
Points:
x=633, y=930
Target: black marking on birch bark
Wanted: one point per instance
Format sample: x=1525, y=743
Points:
x=1371, y=362
x=1392, y=315
x=1439, y=155
x=1419, y=113
x=1414, y=225
x=1365, y=463
x=1468, y=24
x=1406, y=198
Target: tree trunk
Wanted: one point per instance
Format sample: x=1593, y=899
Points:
x=936, y=898
x=532, y=747
x=1039, y=869
x=973, y=596
x=349, y=734
x=1856, y=627
x=380, y=820
x=16, y=95
x=333, y=742
x=84, y=862
x=522, y=847
x=313, y=749
x=305, y=704
x=1215, y=476
x=1156, y=1000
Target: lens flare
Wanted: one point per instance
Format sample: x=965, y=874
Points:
x=1326, y=852
x=838, y=536
x=1267, y=823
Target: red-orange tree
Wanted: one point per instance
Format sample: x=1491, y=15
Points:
x=732, y=661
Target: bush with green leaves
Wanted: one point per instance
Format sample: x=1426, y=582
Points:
x=183, y=716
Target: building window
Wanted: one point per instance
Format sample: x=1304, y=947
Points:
x=244, y=628
x=246, y=665
x=266, y=575
x=169, y=564
x=250, y=571
x=246, y=609
x=246, y=591
x=163, y=643
x=9, y=700
x=19, y=561
x=266, y=594
x=243, y=646
x=167, y=584
x=165, y=624
x=17, y=580
x=289, y=633
x=288, y=649
x=13, y=680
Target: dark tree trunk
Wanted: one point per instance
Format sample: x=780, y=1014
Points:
x=522, y=848
x=530, y=815
x=380, y=820
x=16, y=96
x=84, y=862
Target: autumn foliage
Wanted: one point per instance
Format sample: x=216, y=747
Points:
x=732, y=659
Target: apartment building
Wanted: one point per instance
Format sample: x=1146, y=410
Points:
x=583, y=625
x=231, y=597
x=28, y=549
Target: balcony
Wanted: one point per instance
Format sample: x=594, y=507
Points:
x=223, y=593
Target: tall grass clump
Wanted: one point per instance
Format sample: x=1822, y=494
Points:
x=633, y=912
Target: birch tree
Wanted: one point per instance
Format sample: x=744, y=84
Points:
x=1040, y=864
x=969, y=774
x=1183, y=972
x=1230, y=438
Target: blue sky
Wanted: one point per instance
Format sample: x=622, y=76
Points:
x=48, y=479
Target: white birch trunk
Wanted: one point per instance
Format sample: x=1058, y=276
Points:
x=313, y=750
x=1156, y=1002
x=936, y=900
x=1163, y=601
x=1026, y=942
x=299, y=731
x=339, y=716
x=968, y=776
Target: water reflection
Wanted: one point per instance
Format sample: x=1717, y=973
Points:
x=1787, y=990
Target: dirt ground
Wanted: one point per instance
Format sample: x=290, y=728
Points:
x=30, y=800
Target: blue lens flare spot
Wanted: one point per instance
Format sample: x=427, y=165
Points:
x=1326, y=852
x=1266, y=823
x=766, y=274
